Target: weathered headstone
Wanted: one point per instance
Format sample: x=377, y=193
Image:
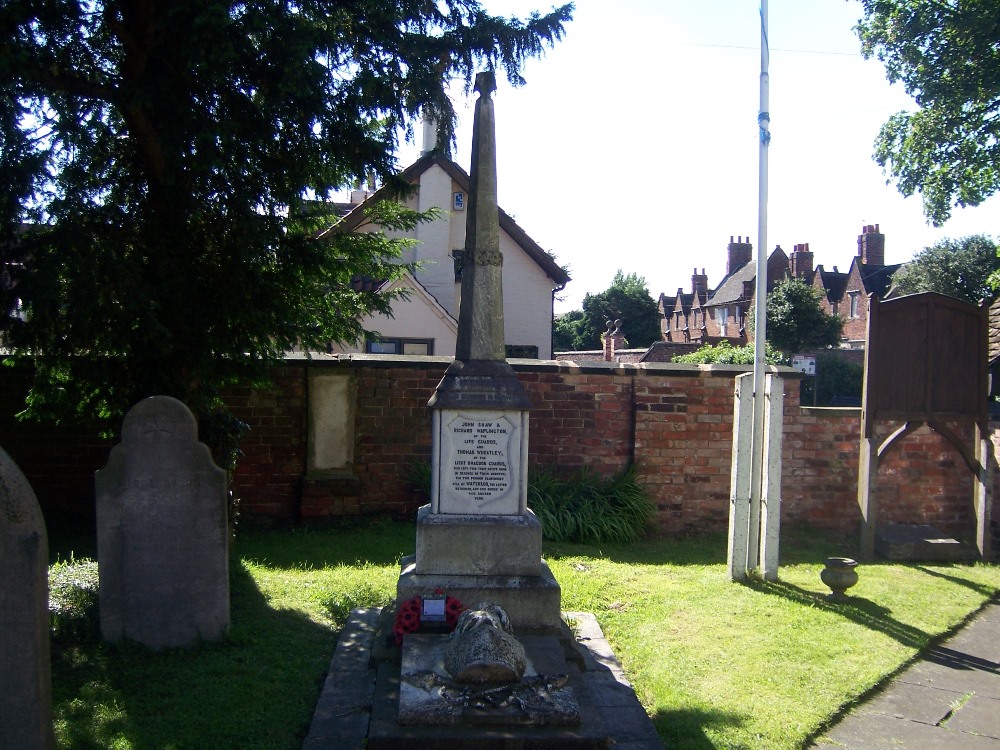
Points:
x=162, y=532
x=25, y=669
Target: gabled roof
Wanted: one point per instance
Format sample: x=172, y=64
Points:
x=731, y=287
x=410, y=282
x=412, y=173
x=685, y=301
x=876, y=279
x=833, y=282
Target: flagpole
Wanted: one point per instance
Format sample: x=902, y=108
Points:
x=760, y=302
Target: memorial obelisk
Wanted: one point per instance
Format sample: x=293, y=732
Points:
x=477, y=540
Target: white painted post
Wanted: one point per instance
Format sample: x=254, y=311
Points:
x=740, y=481
x=771, y=480
x=983, y=499
x=760, y=295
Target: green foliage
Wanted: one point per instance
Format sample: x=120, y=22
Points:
x=361, y=591
x=835, y=376
x=566, y=334
x=585, y=507
x=418, y=476
x=581, y=507
x=725, y=353
x=946, y=55
x=796, y=320
x=73, y=600
x=165, y=158
x=960, y=268
x=628, y=300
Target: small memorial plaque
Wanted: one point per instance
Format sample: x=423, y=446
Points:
x=432, y=609
x=480, y=462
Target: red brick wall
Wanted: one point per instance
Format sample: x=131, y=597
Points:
x=674, y=422
x=59, y=461
x=922, y=479
x=268, y=478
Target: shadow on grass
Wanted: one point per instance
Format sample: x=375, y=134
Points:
x=857, y=609
x=686, y=728
x=704, y=549
x=304, y=547
x=979, y=588
x=254, y=691
x=797, y=546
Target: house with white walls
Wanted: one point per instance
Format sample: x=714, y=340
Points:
x=427, y=322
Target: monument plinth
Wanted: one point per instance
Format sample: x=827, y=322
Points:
x=477, y=540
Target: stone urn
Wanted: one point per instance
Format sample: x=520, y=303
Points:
x=839, y=574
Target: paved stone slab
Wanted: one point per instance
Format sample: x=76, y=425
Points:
x=919, y=703
x=604, y=695
x=340, y=721
x=866, y=731
x=980, y=645
x=977, y=715
x=943, y=677
x=949, y=699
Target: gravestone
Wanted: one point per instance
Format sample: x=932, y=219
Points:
x=25, y=669
x=162, y=532
x=477, y=540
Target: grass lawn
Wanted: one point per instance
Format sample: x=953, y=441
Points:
x=716, y=664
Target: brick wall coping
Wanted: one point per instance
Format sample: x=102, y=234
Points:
x=541, y=365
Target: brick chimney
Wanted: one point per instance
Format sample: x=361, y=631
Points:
x=871, y=246
x=740, y=253
x=801, y=262
x=699, y=281
x=614, y=340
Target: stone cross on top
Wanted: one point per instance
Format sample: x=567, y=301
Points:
x=480, y=323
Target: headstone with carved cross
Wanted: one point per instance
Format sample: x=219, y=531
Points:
x=162, y=532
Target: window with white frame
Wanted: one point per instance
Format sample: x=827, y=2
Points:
x=721, y=319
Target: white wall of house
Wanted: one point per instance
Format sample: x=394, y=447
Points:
x=416, y=318
x=438, y=238
x=527, y=290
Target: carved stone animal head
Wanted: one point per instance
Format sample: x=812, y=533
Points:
x=482, y=615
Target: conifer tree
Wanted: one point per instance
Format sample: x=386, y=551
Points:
x=161, y=154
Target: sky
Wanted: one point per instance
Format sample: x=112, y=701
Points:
x=634, y=143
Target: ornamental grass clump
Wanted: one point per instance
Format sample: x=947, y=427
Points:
x=579, y=507
x=586, y=507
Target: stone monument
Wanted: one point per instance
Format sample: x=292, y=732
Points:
x=162, y=532
x=25, y=669
x=477, y=540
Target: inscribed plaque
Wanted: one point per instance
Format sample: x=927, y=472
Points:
x=480, y=462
